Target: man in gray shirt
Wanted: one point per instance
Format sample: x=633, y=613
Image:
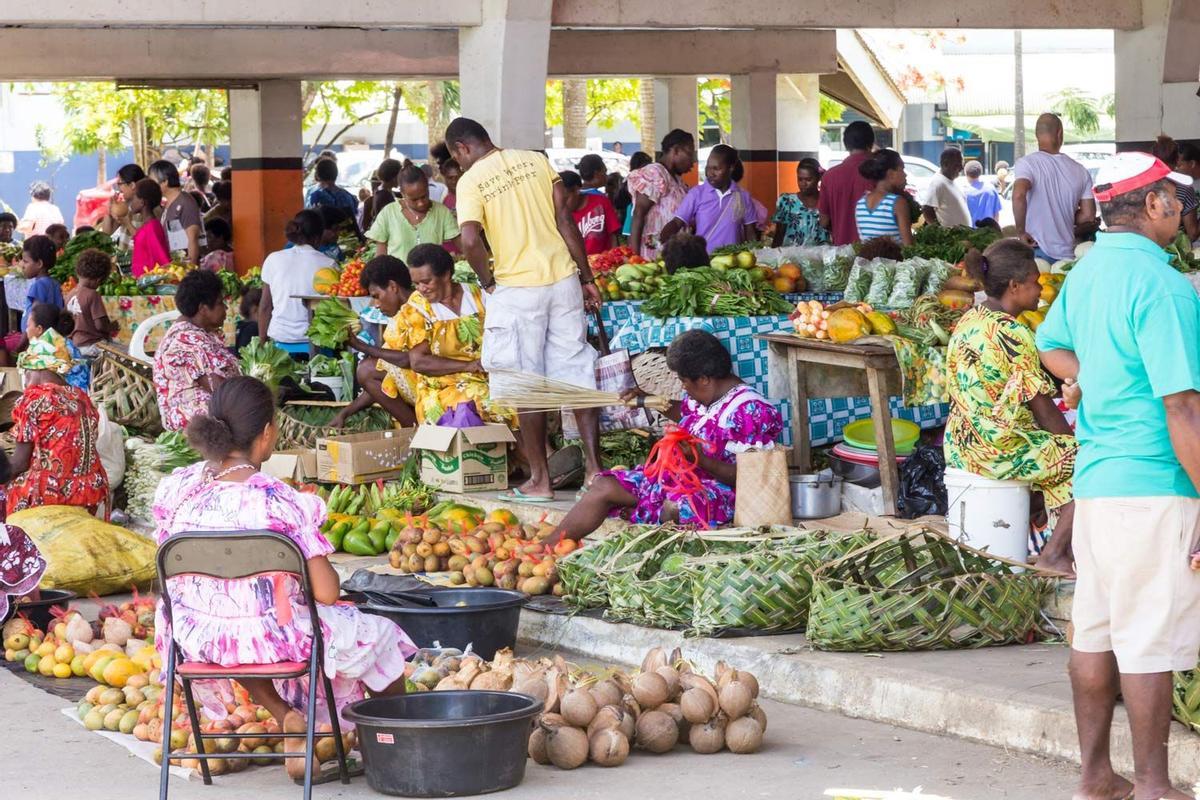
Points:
x=1052, y=195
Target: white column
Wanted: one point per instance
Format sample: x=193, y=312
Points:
x=675, y=105
x=502, y=67
x=754, y=133
x=797, y=124
x=1147, y=105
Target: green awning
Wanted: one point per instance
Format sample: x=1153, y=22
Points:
x=999, y=128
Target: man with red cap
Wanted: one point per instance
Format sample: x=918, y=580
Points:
x=1127, y=327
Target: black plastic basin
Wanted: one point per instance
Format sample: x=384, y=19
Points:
x=444, y=744
x=488, y=620
x=38, y=611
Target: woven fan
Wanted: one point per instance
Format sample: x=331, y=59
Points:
x=529, y=392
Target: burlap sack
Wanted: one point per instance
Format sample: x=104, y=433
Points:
x=764, y=496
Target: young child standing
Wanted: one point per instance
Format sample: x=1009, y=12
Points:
x=220, y=246
x=92, y=324
x=150, y=242
x=38, y=255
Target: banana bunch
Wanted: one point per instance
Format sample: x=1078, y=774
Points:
x=364, y=500
x=332, y=324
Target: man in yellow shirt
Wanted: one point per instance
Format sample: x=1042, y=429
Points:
x=540, y=287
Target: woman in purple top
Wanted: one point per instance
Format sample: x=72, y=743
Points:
x=718, y=209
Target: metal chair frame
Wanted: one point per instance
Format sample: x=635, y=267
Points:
x=231, y=555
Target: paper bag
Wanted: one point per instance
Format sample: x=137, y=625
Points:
x=763, y=493
x=614, y=373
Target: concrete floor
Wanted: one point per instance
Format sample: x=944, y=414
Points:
x=806, y=753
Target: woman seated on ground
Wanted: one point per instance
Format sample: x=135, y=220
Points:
x=229, y=622
x=21, y=563
x=1003, y=421
x=192, y=359
x=443, y=332
x=384, y=372
x=55, y=425
x=717, y=408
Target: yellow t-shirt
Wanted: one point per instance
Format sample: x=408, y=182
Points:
x=511, y=194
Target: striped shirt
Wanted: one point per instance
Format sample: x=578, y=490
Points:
x=877, y=222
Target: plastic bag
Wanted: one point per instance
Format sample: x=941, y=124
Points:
x=939, y=273
x=881, y=283
x=910, y=277
x=859, y=282
x=922, y=484
x=86, y=555
x=836, y=273
x=463, y=415
x=814, y=273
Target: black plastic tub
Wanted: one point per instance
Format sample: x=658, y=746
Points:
x=444, y=744
x=38, y=611
x=487, y=620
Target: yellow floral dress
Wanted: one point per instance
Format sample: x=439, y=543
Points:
x=993, y=371
x=454, y=336
x=397, y=381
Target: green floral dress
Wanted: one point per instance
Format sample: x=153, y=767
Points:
x=994, y=371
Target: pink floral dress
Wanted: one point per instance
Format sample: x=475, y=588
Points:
x=666, y=191
x=21, y=566
x=264, y=619
x=741, y=420
x=185, y=355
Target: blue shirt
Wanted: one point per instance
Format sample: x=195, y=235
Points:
x=982, y=200
x=337, y=197
x=42, y=289
x=1134, y=324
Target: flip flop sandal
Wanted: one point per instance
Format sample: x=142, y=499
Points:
x=565, y=466
x=517, y=496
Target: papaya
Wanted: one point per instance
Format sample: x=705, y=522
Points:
x=953, y=298
x=326, y=280
x=358, y=544
x=847, y=324
x=881, y=324
x=378, y=536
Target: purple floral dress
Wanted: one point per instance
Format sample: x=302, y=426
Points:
x=21, y=566
x=264, y=619
x=741, y=420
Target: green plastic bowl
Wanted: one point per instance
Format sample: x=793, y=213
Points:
x=861, y=434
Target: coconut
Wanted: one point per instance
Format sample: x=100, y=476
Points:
x=533, y=684
x=654, y=659
x=612, y=717
x=744, y=735
x=651, y=690
x=750, y=681
x=697, y=706
x=537, y=746
x=657, y=731
x=759, y=715
x=673, y=711
x=495, y=681
x=691, y=680
x=579, y=707
x=556, y=686
x=606, y=693
x=735, y=699
x=671, y=676
x=609, y=748
x=709, y=737
x=566, y=747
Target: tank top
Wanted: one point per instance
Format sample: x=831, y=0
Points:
x=877, y=222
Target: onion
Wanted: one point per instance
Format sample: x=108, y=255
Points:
x=609, y=748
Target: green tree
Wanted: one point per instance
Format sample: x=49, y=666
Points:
x=831, y=110
x=1079, y=108
x=333, y=108
x=713, y=100
x=435, y=103
x=610, y=101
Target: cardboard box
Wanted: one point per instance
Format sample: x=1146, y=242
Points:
x=464, y=459
x=299, y=466
x=363, y=457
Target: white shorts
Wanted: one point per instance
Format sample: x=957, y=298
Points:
x=1136, y=594
x=542, y=330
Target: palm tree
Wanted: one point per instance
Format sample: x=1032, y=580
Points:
x=1079, y=108
x=648, y=121
x=1018, y=97
x=575, y=113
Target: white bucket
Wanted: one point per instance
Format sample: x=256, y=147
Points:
x=988, y=514
x=336, y=385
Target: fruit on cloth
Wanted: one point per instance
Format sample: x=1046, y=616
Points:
x=848, y=324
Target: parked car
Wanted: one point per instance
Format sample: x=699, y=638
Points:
x=563, y=159
x=919, y=170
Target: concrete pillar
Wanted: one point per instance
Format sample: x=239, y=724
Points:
x=675, y=106
x=1148, y=105
x=266, y=142
x=797, y=124
x=502, y=65
x=754, y=133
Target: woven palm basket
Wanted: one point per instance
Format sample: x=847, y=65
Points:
x=296, y=433
x=647, y=593
x=585, y=573
x=124, y=385
x=921, y=590
x=654, y=376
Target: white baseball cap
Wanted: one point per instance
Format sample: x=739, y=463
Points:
x=1125, y=172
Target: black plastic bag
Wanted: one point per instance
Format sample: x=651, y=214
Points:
x=922, y=484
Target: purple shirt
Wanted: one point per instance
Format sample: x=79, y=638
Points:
x=719, y=218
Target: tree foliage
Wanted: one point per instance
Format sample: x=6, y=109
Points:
x=611, y=101
x=1080, y=109
x=714, y=102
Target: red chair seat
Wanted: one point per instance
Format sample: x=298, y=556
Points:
x=201, y=669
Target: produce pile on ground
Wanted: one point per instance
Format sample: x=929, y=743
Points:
x=492, y=551
x=147, y=463
x=602, y=716
x=371, y=419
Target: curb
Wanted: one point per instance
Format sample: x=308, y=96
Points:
x=859, y=686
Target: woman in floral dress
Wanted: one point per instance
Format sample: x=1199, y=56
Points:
x=443, y=328
x=797, y=220
x=728, y=416
x=1003, y=421
x=264, y=619
x=21, y=564
x=56, y=427
x=659, y=189
x=192, y=359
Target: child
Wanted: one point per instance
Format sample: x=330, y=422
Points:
x=92, y=324
x=220, y=246
x=685, y=251
x=8, y=225
x=43, y=317
x=150, y=241
x=247, y=326
x=593, y=213
x=37, y=259
x=59, y=235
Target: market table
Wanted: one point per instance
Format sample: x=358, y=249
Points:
x=130, y=312
x=837, y=371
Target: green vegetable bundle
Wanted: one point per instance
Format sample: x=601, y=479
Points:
x=707, y=292
x=464, y=274
x=267, y=362
x=948, y=244
x=64, y=267
x=174, y=451
x=230, y=283
x=331, y=324
x=1181, y=254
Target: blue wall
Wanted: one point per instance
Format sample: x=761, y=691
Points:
x=930, y=151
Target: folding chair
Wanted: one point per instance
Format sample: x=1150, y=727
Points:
x=231, y=555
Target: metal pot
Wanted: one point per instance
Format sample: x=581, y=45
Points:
x=816, y=496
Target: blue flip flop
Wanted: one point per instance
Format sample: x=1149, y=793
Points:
x=516, y=495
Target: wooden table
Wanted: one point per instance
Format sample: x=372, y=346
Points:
x=840, y=371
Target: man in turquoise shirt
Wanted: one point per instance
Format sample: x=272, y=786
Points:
x=1127, y=327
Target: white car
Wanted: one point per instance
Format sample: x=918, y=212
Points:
x=565, y=159
x=919, y=170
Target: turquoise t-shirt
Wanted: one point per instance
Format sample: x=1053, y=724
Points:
x=1134, y=324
